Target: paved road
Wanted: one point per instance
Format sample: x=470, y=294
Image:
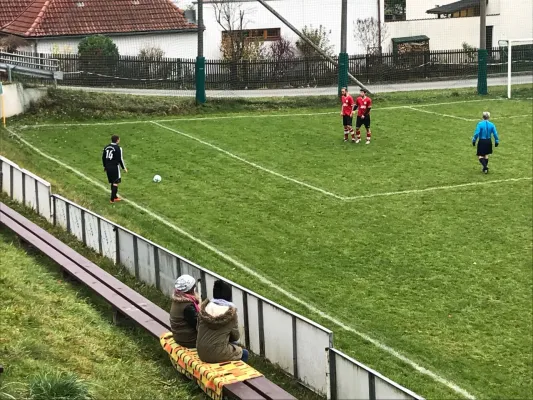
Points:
x=321, y=91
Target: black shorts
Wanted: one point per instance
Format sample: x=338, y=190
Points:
x=484, y=147
x=363, y=121
x=347, y=120
x=113, y=174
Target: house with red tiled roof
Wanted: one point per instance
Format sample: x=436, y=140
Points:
x=57, y=26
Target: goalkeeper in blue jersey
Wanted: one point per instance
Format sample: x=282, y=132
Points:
x=483, y=135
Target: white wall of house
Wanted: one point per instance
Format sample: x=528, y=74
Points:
x=516, y=20
x=299, y=13
x=174, y=45
x=511, y=19
x=444, y=34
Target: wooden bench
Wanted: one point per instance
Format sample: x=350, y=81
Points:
x=124, y=300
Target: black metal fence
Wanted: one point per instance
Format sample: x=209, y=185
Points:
x=178, y=74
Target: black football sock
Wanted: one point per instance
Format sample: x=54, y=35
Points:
x=116, y=192
x=482, y=162
x=486, y=163
x=113, y=192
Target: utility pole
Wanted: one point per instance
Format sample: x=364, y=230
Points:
x=343, y=55
x=306, y=40
x=482, y=52
x=200, y=59
x=379, y=26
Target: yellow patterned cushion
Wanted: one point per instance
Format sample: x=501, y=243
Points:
x=210, y=377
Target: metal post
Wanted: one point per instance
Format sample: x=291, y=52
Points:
x=306, y=40
x=200, y=59
x=379, y=26
x=482, y=52
x=483, y=24
x=509, y=68
x=343, y=55
x=344, y=24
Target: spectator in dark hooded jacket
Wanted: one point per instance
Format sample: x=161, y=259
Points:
x=218, y=328
x=184, y=311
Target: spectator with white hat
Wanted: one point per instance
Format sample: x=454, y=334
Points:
x=184, y=311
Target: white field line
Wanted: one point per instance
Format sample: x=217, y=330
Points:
x=436, y=377
x=434, y=188
x=513, y=116
x=441, y=114
x=465, y=119
x=344, y=198
x=239, y=116
x=252, y=163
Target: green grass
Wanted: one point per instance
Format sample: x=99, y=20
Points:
x=270, y=371
x=58, y=340
x=442, y=276
x=58, y=386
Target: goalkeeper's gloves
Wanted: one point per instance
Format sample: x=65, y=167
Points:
x=496, y=144
x=474, y=144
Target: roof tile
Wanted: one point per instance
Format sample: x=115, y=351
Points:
x=42, y=18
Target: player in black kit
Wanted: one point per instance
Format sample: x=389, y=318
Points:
x=113, y=161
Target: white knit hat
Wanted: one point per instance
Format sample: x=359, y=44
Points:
x=184, y=283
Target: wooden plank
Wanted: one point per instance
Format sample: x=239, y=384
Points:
x=125, y=307
x=115, y=292
x=109, y=280
x=268, y=389
x=240, y=391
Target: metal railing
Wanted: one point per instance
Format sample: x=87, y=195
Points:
x=39, y=66
x=299, y=346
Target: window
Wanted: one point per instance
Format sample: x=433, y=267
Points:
x=394, y=10
x=467, y=12
x=269, y=34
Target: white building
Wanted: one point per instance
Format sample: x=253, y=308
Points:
x=57, y=26
x=451, y=23
x=259, y=22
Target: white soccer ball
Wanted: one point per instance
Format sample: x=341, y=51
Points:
x=157, y=178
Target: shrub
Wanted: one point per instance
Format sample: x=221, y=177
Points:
x=319, y=37
x=97, y=45
x=98, y=54
x=58, y=386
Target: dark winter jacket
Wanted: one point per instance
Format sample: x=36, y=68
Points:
x=183, y=321
x=217, y=327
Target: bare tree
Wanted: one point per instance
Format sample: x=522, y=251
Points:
x=11, y=43
x=233, y=19
x=367, y=32
x=280, y=50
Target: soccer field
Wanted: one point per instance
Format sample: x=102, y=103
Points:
x=404, y=241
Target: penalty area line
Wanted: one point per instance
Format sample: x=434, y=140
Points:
x=259, y=167
x=422, y=370
x=435, y=188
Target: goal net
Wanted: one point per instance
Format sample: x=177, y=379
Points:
x=518, y=56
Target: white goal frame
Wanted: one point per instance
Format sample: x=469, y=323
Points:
x=510, y=44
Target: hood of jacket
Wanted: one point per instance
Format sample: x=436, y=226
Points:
x=180, y=298
x=216, y=316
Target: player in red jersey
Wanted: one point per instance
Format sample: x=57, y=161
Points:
x=347, y=114
x=363, y=105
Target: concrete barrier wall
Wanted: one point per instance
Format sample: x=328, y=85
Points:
x=17, y=99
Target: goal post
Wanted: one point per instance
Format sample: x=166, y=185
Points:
x=508, y=44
